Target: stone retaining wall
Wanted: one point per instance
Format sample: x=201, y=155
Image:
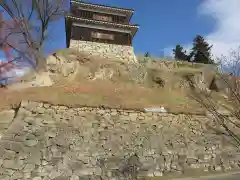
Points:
x=6, y=118
x=47, y=142
x=124, y=53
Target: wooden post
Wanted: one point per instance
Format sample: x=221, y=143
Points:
x=130, y=39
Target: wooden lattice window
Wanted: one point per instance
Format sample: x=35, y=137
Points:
x=102, y=18
x=99, y=35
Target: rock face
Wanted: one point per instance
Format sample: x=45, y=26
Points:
x=62, y=67
x=73, y=65
x=56, y=142
x=70, y=65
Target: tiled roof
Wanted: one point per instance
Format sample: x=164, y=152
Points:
x=103, y=6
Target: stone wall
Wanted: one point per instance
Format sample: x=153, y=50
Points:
x=6, y=118
x=125, y=53
x=47, y=142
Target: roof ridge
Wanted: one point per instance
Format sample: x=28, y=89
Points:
x=101, y=5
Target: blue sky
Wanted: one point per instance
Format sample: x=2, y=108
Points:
x=165, y=23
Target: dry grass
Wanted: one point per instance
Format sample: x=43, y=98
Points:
x=106, y=94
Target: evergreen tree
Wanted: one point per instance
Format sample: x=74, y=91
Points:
x=147, y=54
x=180, y=53
x=201, y=51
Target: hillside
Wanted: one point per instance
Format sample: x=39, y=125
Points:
x=81, y=79
x=85, y=119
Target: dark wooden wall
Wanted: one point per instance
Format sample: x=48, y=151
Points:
x=85, y=34
x=89, y=15
x=68, y=26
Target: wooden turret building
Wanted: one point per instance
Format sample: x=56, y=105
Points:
x=100, y=29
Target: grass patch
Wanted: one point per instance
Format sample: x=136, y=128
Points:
x=184, y=64
x=106, y=94
x=186, y=70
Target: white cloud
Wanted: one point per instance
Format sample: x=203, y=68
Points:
x=226, y=15
x=226, y=33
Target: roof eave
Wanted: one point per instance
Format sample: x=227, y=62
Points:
x=134, y=33
x=130, y=17
x=102, y=22
x=134, y=27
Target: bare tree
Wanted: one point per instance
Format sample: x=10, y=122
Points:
x=226, y=123
x=28, y=30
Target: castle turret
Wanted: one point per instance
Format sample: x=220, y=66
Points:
x=100, y=29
